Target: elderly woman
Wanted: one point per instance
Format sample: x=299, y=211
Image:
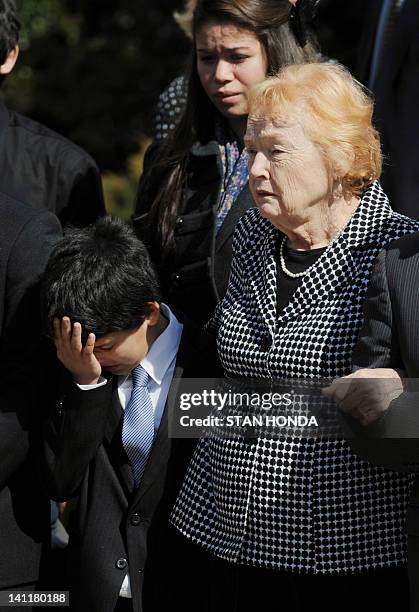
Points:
x=302, y=524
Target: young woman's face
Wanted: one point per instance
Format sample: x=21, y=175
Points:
x=230, y=61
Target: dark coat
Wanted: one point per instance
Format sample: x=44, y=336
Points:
x=390, y=339
x=26, y=238
x=48, y=171
x=396, y=92
x=194, y=274
x=115, y=528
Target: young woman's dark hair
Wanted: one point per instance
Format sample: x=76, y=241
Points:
x=270, y=21
x=100, y=276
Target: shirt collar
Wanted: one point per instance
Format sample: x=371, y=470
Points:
x=164, y=348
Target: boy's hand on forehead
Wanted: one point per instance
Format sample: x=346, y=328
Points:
x=79, y=360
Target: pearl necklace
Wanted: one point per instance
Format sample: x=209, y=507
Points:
x=301, y=274
x=284, y=267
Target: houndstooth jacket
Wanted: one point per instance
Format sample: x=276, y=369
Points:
x=303, y=505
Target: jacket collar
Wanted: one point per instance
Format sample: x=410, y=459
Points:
x=243, y=203
x=335, y=269
x=203, y=150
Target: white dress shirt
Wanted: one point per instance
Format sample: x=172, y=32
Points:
x=159, y=364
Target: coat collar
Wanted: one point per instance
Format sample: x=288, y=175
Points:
x=334, y=270
x=240, y=206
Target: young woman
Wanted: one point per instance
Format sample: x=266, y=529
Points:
x=194, y=187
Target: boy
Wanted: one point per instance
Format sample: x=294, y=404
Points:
x=107, y=439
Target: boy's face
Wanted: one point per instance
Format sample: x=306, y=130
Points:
x=120, y=352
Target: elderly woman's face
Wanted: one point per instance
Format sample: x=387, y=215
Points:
x=230, y=61
x=287, y=173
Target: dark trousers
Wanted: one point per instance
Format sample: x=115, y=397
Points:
x=246, y=589
x=413, y=558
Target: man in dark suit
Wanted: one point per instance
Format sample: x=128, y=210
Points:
x=388, y=65
x=375, y=396
x=38, y=165
x=107, y=439
x=26, y=239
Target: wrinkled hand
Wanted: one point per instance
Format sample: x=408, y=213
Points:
x=78, y=360
x=366, y=394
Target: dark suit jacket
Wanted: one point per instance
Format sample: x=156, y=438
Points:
x=396, y=92
x=117, y=529
x=390, y=339
x=26, y=238
x=48, y=171
x=194, y=274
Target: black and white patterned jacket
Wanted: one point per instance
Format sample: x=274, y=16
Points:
x=303, y=505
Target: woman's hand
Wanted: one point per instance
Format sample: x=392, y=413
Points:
x=78, y=360
x=367, y=393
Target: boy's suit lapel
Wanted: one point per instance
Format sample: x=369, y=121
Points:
x=159, y=455
x=113, y=436
x=195, y=350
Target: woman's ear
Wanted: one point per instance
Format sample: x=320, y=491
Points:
x=10, y=61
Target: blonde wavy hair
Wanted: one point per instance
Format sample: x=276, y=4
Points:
x=336, y=113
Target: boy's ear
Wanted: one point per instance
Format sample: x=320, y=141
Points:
x=154, y=314
x=10, y=61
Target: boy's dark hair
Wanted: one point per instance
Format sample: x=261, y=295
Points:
x=100, y=276
x=9, y=28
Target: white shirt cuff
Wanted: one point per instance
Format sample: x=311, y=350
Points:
x=102, y=381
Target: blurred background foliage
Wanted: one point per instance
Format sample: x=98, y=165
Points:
x=92, y=70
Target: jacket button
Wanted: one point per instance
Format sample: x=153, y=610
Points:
x=265, y=343
x=59, y=407
x=135, y=519
x=179, y=221
x=121, y=564
x=175, y=277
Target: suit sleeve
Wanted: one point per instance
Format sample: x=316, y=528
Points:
x=82, y=198
x=393, y=440
x=147, y=187
x=377, y=345
x=21, y=343
x=73, y=431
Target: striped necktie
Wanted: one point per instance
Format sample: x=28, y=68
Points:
x=138, y=425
